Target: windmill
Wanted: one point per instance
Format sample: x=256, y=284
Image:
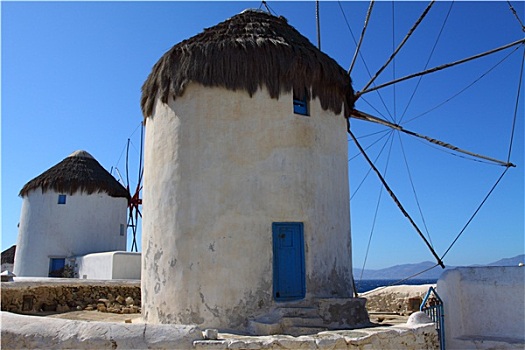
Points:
x=134, y=190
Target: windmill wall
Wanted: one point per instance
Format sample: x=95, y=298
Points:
x=220, y=168
x=84, y=224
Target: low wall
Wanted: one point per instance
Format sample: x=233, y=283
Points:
x=60, y=295
x=30, y=332
x=484, y=307
x=109, y=265
x=415, y=337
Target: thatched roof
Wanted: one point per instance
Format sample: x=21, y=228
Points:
x=78, y=172
x=8, y=255
x=248, y=51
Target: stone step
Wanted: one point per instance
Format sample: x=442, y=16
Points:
x=303, y=322
x=263, y=328
x=298, y=331
x=299, y=311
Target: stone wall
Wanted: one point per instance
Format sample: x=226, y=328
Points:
x=406, y=337
x=29, y=332
x=401, y=299
x=71, y=295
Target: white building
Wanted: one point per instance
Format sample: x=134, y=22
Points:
x=246, y=199
x=116, y=265
x=72, y=209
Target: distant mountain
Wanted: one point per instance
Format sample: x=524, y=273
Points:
x=509, y=261
x=406, y=270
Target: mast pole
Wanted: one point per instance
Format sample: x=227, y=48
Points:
x=318, y=24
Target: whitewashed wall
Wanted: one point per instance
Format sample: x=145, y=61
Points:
x=127, y=265
x=220, y=167
x=484, y=307
x=109, y=265
x=85, y=224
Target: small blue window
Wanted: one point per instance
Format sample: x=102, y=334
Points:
x=61, y=199
x=56, y=267
x=300, y=104
x=122, y=230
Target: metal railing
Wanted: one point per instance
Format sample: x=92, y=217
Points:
x=432, y=305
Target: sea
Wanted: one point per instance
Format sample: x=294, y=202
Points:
x=367, y=285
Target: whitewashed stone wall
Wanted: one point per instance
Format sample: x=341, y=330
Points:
x=220, y=167
x=406, y=337
x=32, y=332
x=484, y=307
x=29, y=332
x=109, y=265
x=85, y=224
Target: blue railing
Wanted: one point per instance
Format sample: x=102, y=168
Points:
x=432, y=305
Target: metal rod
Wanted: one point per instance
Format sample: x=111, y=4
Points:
x=368, y=14
x=399, y=46
x=317, y=18
x=394, y=197
x=364, y=116
x=438, y=68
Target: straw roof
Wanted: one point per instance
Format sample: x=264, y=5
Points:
x=249, y=51
x=78, y=172
x=8, y=255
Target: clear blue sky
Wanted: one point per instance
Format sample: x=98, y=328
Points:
x=72, y=73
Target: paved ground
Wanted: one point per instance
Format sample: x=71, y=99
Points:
x=386, y=318
x=98, y=316
x=378, y=318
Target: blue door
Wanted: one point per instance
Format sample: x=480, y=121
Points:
x=288, y=261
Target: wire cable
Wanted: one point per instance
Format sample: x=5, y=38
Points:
x=516, y=15
x=386, y=133
x=370, y=169
x=406, y=278
x=475, y=213
x=376, y=212
x=407, y=36
x=427, y=63
x=516, y=107
x=393, y=196
x=414, y=190
x=363, y=60
x=464, y=89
